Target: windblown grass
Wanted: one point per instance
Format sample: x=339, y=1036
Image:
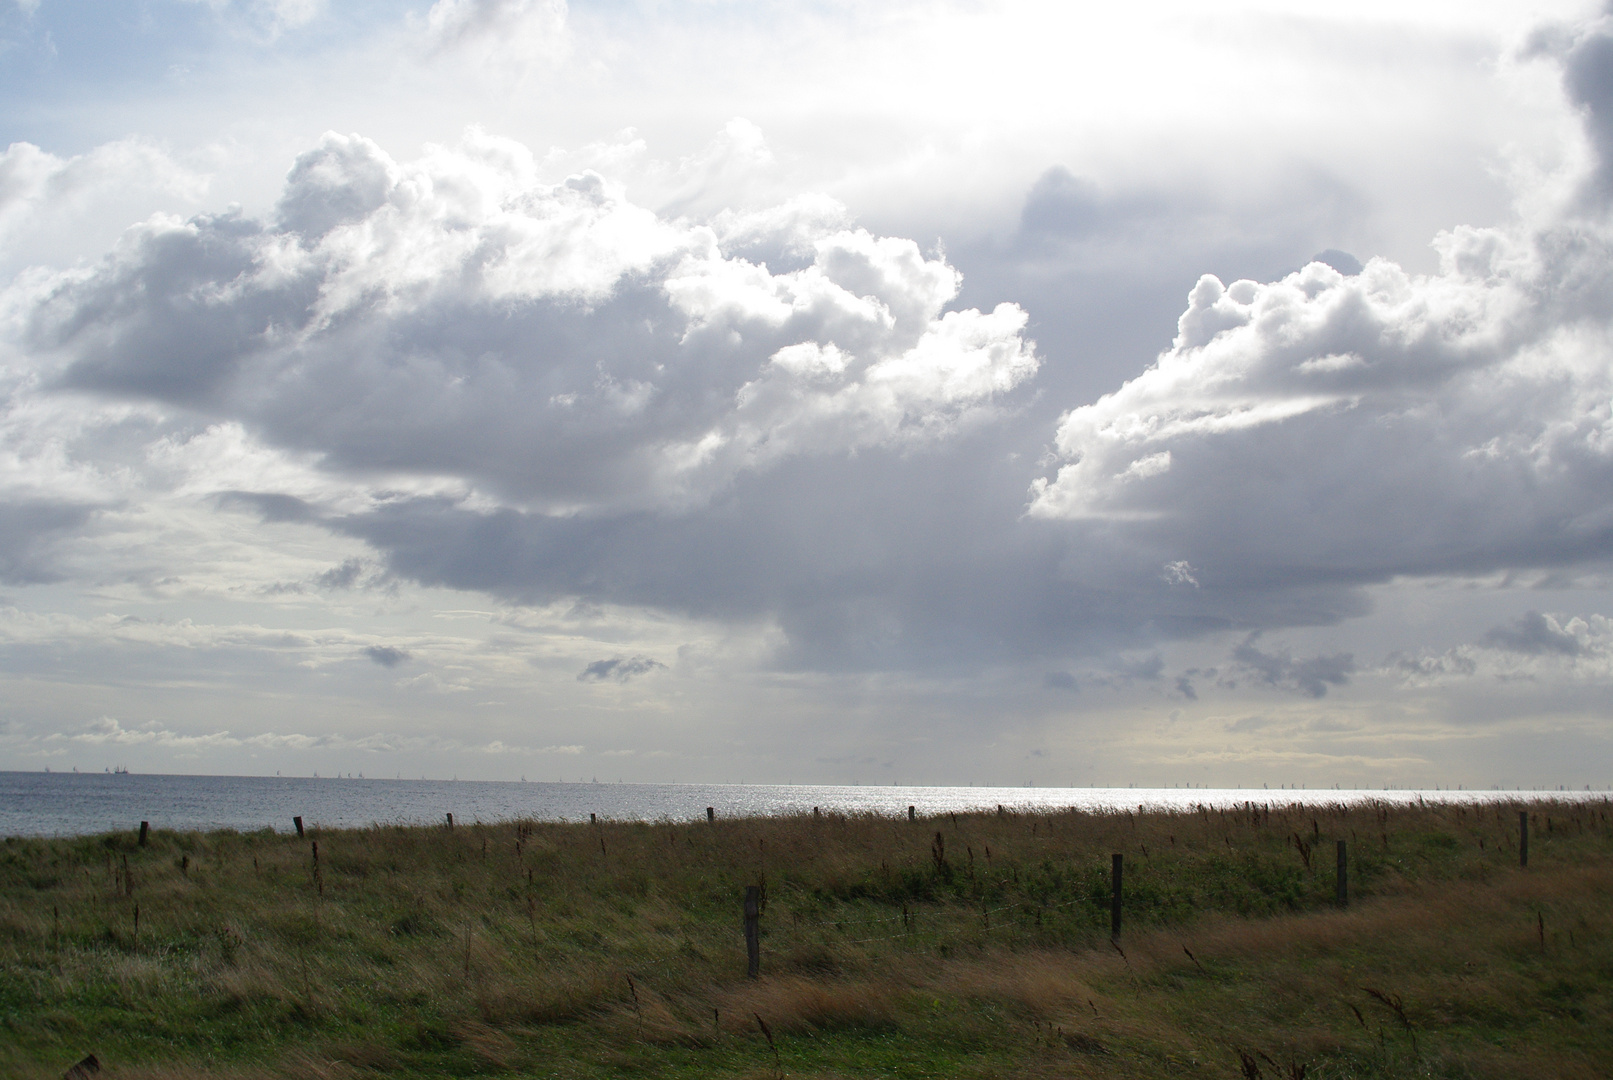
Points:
x=526, y=948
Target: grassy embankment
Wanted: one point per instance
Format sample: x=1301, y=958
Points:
x=615, y=950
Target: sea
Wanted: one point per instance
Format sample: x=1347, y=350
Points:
x=77, y=804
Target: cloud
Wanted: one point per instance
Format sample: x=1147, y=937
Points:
x=1180, y=572
x=520, y=381
x=1564, y=657
x=1142, y=667
x=1334, y=428
x=1586, y=53
x=619, y=670
x=45, y=199
x=266, y=19
x=1536, y=635
x=344, y=576
x=288, y=13
x=387, y=656
x=109, y=731
x=1342, y=261
x=553, y=344
x=228, y=647
x=1346, y=429
x=27, y=531
x=504, y=32
x=1431, y=669
x=541, y=389
x=1310, y=677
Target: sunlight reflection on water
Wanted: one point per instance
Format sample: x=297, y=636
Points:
x=35, y=804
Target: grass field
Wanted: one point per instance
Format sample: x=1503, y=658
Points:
x=972, y=946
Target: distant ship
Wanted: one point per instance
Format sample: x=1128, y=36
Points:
x=120, y=771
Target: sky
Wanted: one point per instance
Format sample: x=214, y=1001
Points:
x=917, y=393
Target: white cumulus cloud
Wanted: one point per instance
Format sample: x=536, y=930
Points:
x=550, y=343
x=1383, y=422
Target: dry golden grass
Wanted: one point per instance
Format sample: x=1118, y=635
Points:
x=791, y=1003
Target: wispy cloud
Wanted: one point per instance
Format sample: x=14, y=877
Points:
x=110, y=732
x=619, y=670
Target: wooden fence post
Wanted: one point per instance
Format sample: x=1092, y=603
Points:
x=1114, y=898
x=450, y=821
x=753, y=931
x=1523, y=838
x=711, y=814
x=912, y=813
x=297, y=821
x=145, y=827
x=1344, y=878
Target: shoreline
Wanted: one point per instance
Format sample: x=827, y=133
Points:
x=31, y=804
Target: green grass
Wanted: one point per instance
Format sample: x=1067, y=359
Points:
x=527, y=948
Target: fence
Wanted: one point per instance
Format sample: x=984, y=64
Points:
x=935, y=920
x=915, y=924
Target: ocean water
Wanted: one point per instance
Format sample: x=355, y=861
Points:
x=64, y=804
